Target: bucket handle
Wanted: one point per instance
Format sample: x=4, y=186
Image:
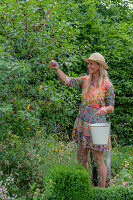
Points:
x=98, y=115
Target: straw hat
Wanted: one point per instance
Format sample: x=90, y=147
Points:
x=97, y=57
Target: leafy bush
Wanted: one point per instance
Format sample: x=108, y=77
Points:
x=34, y=32
x=26, y=108
x=115, y=193
x=69, y=182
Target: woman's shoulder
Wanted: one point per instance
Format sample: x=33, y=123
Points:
x=107, y=83
x=82, y=78
x=85, y=77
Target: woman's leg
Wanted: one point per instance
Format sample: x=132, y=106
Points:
x=94, y=170
x=82, y=156
x=101, y=167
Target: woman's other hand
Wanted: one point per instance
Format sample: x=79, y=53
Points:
x=102, y=111
x=105, y=110
x=53, y=64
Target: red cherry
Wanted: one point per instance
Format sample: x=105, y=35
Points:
x=48, y=99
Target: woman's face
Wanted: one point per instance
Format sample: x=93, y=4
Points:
x=93, y=67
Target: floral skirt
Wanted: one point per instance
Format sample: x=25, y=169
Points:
x=83, y=136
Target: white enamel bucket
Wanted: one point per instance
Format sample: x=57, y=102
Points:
x=100, y=132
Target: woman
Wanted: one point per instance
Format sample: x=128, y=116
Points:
x=97, y=97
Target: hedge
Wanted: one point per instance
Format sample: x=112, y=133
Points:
x=114, y=193
x=69, y=182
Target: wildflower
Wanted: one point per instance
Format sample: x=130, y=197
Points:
x=7, y=162
x=124, y=183
x=68, y=137
x=56, y=150
x=40, y=87
x=124, y=163
x=62, y=144
x=39, y=145
x=50, y=181
x=1, y=172
x=28, y=107
x=131, y=152
x=28, y=128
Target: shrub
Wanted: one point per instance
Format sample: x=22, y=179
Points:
x=69, y=182
x=115, y=193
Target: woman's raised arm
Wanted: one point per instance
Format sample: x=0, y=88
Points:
x=62, y=76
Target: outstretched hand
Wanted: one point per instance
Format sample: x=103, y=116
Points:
x=53, y=64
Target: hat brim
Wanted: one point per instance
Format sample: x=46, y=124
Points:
x=98, y=61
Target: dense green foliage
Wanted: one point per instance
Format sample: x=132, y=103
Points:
x=69, y=182
x=32, y=32
x=25, y=165
x=34, y=104
x=115, y=193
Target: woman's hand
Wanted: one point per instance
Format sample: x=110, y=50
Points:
x=102, y=111
x=53, y=64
